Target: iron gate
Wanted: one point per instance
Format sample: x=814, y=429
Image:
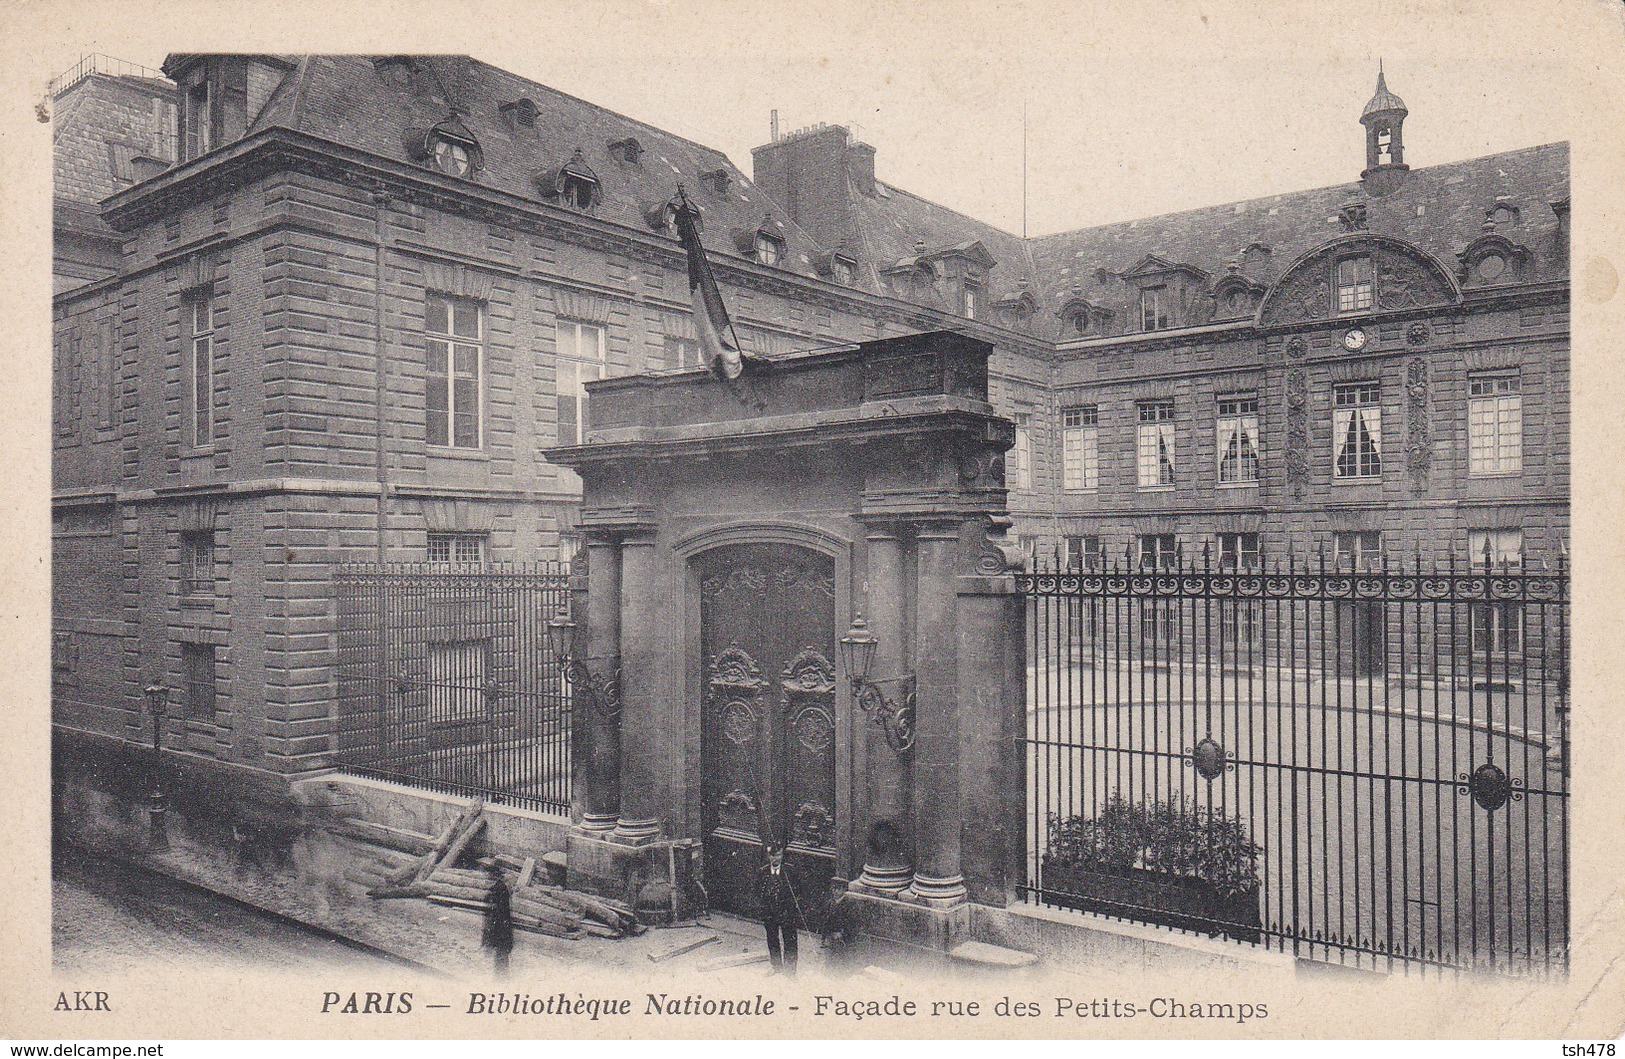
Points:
x=446, y=679
x=1362, y=766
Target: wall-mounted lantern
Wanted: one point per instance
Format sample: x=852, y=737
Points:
x=895, y=716
x=603, y=691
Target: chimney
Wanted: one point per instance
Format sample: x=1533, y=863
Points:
x=807, y=173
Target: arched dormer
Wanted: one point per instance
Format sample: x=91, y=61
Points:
x=1235, y=297
x=1082, y=318
x=1490, y=259
x=448, y=146
x=572, y=184
x=1356, y=276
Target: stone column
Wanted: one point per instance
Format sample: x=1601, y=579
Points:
x=597, y=718
x=647, y=739
x=889, y=844
x=938, y=879
x=992, y=722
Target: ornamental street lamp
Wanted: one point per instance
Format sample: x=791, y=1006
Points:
x=895, y=716
x=157, y=698
x=603, y=692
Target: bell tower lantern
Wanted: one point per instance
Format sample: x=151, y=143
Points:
x=1384, y=121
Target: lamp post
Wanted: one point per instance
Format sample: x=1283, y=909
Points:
x=895, y=716
x=157, y=698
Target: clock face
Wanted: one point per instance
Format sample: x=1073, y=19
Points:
x=1354, y=339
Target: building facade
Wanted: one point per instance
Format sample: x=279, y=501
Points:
x=366, y=294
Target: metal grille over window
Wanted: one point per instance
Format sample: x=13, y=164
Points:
x=1357, y=429
x=453, y=341
x=1494, y=424
x=1080, y=448
x=1156, y=444
x=1354, y=286
x=456, y=547
x=197, y=679
x=1238, y=440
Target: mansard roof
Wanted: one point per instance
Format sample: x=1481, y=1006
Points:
x=893, y=223
x=349, y=99
x=1439, y=209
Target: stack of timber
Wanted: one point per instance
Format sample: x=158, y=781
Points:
x=405, y=864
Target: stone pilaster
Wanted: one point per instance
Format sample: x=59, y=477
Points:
x=601, y=650
x=648, y=737
x=889, y=843
x=938, y=878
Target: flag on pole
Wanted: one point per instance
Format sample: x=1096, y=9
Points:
x=719, y=345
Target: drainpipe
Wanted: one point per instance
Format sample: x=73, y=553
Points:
x=380, y=201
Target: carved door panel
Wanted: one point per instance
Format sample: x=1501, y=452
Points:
x=767, y=642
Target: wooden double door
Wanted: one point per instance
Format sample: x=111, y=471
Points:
x=767, y=643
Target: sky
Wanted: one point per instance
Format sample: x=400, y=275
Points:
x=1130, y=109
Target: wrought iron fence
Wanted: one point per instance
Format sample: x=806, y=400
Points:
x=1362, y=766
x=446, y=679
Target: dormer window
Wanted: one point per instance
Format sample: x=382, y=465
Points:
x=452, y=158
x=844, y=270
x=395, y=69
x=972, y=300
x=1355, y=292
x=769, y=248
x=718, y=180
x=628, y=150
x=448, y=147
x=520, y=114
x=573, y=184
x=1080, y=323
x=1153, y=309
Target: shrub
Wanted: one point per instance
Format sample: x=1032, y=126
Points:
x=1168, y=837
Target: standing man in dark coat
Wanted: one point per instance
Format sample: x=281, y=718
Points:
x=781, y=913
x=496, y=936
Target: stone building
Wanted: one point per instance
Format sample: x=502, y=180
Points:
x=369, y=292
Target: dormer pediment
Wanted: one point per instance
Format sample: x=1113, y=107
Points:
x=1491, y=258
x=1151, y=266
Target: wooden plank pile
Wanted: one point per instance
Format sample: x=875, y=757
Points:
x=410, y=865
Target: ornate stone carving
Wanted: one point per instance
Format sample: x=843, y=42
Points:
x=1297, y=431
x=800, y=577
x=1297, y=347
x=1418, y=434
x=1402, y=283
x=740, y=579
x=1417, y=334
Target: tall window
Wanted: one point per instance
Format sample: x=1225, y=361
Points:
x=1357, y=429
x=1153, y=309
x=199, y=120
x=1358, y=549
x=1156, y=444
x=1157, y=551
x=1238, y=440
x=1354, y=290
x=1083, y=553
x=200, y=368
x=1080, y=448
x=453, y=340
x=456, y=547
x=1238, y=551
x=1494, y=424
x=1021, y=454
x=972, y=300
x=580, y=361
x=197, y=679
